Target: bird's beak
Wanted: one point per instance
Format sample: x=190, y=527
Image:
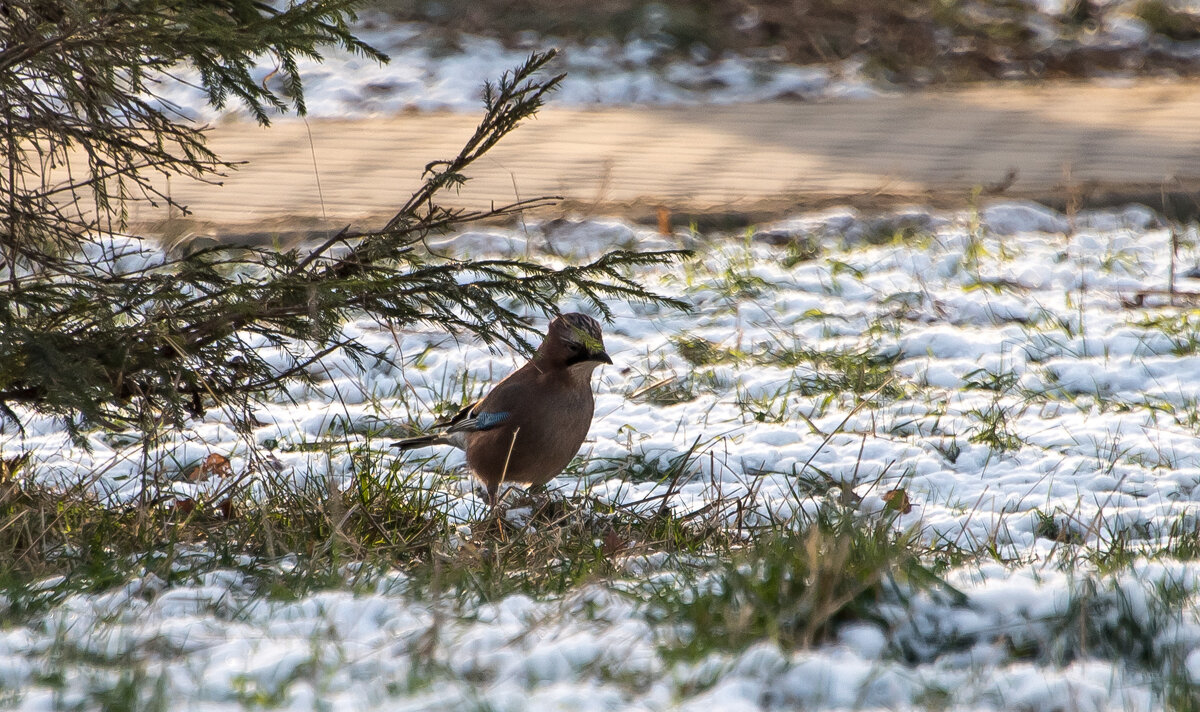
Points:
x=602, y=357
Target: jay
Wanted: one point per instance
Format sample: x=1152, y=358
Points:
x=533, y=422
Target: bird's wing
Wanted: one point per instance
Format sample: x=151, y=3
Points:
x=481, y=421
x=474, y=417
x=510, y=396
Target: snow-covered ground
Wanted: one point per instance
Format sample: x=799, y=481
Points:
x=428, y=73
x=1033, y=398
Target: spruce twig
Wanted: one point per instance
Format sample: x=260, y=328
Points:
x=96, y=328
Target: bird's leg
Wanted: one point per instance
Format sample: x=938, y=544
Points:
x=495, y=514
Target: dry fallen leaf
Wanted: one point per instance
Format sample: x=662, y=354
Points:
x=897, y=501
x=613, y=544
x=186, y=506
x=214, y=465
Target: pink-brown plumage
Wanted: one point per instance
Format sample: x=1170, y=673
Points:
x=527, y=429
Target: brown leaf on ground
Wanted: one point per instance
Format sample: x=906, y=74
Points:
x=215, y=465
x=186, y=507
x=897, y=500
x=613, y=544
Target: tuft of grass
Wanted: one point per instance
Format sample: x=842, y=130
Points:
x=1182, y=329
x=1107, y=616
x=766, y=407
x=1048, y=527
x=995, y=423
x=801, y=249
x=289, y=538
x=560, y=545
x=699, y=351
x=795, y=586
x=949, y=449
x=994, y=427
x=112, y=685
x=81, y=544
x=638, y=467
x=988, y=380
x=736, y=281
x=673, y=390
x=859, y=371
x=381, y=513
x=897, y=232
x=1117, y=550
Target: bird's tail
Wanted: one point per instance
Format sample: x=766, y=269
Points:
x=419, y=441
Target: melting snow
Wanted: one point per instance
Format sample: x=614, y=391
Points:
x=1097, y=403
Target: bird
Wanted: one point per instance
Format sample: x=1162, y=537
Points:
x=531, y=423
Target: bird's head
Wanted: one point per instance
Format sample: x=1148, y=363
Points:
x=574, y=339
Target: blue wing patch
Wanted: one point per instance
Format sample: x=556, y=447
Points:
x=478, y=421
x=486, y=421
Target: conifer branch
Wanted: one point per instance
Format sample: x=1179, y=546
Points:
x=139, y=338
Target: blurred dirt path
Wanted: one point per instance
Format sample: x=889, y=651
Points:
x=928, y=146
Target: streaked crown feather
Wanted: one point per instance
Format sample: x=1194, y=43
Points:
x=580, y=330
